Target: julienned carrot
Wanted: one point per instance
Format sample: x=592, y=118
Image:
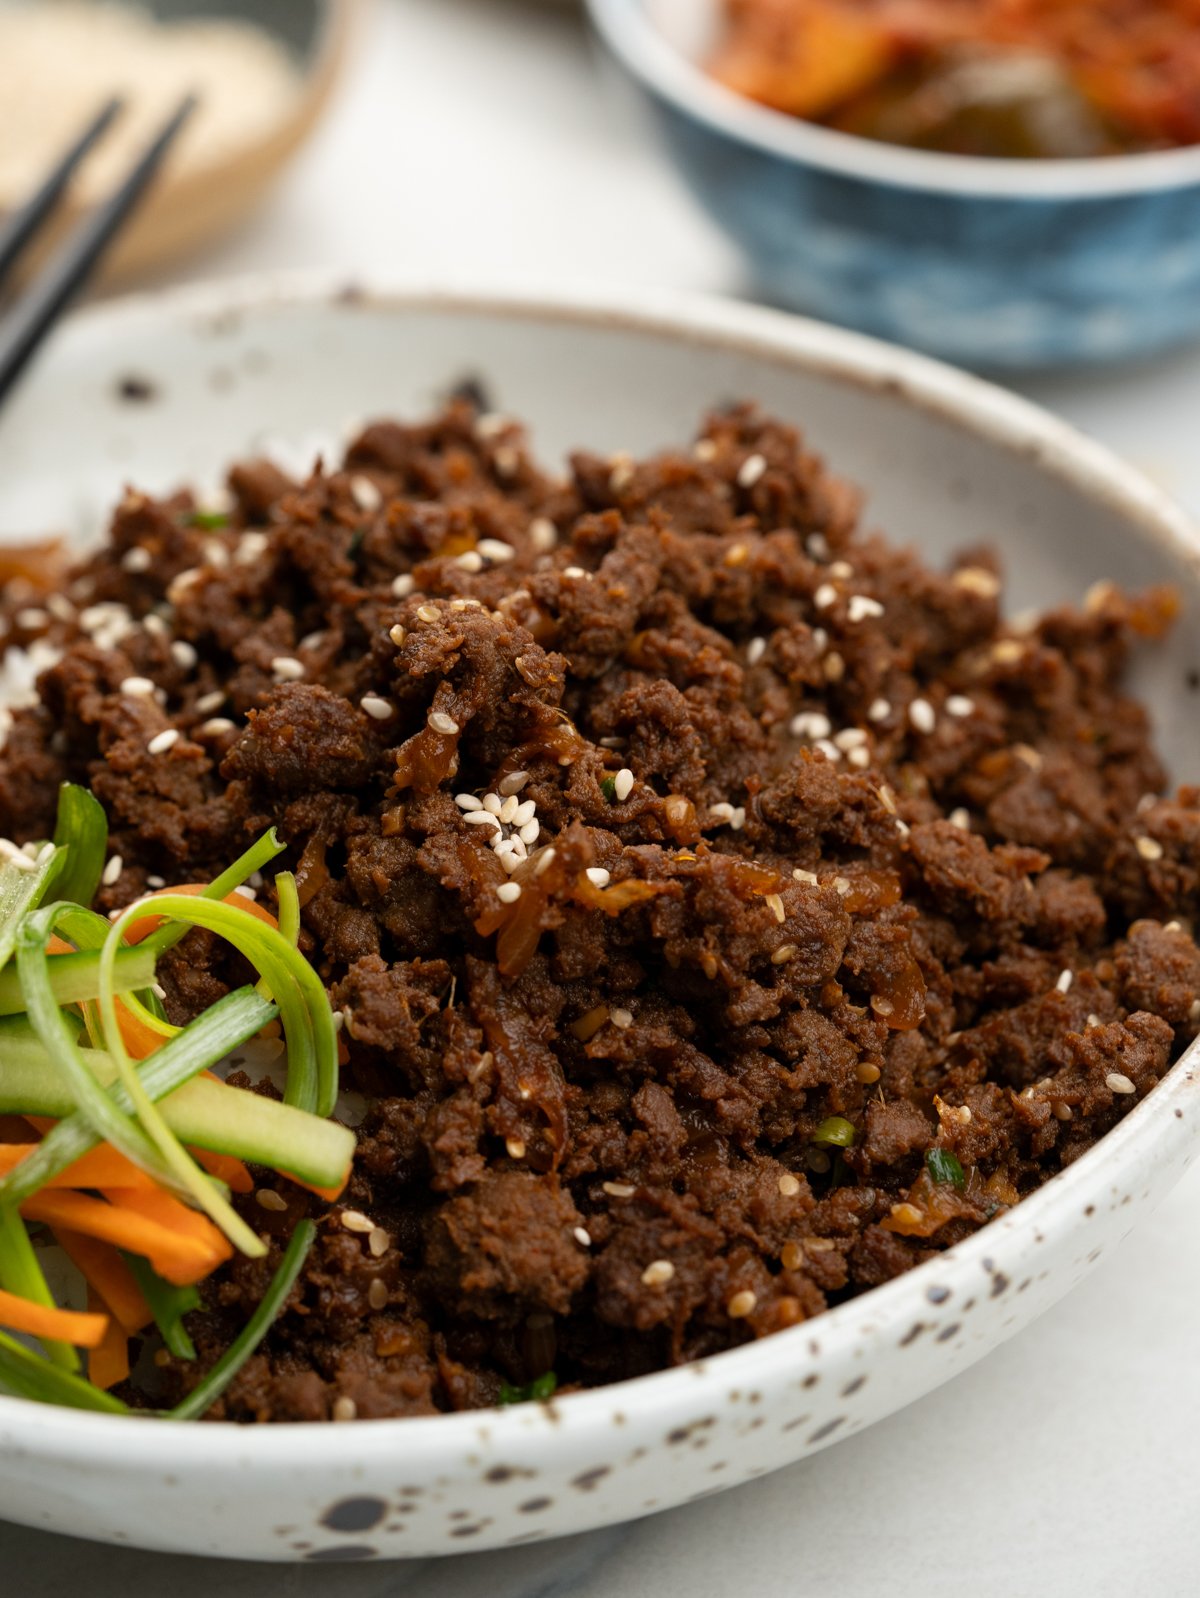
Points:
x=100, y=1167
x=108, y=1362
x=226, y=1168
x=68, y=1326
x=107, y=1273
x=329, y=1194
x=159, y=1208
x=143, y=928
x=181, y=1260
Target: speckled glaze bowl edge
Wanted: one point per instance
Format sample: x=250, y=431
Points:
x=453, y=1483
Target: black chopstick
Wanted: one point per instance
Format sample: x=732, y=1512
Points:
x=26, y=221
x=25, y=326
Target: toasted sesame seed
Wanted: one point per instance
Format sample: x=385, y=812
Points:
x=810, y=877
x=741, y=1305
x=582, y=1236
x=287, y=668
x=378, y=1241
x=136, y=559
x=215, y=726
x=833, y=667
x=515, y=1148
x=755, y=650
x=818, y=546
x=210, y=702
x=736, y=555
x=183, y=654
x=398, y=634
x=375, y=707
x=621, y=1019
x=775, y=904
x=619, y=1189
x=960, y=705
x=32, y=616
x=356, y=1221
x=1065, y=979
x=658, y=1273
x=791, y=1256
x=495, y=550
x=704, y=449
x=829, y=749
x=738, y=819
x=377, y=1293
x=621, y=474
x=427, y=613
x=825, y=596
x=920, y=714
x=789, y=1185
x=344, y=1409
x=268, y=1199
x=112, y=870
x=1148, y=848
x=163, y=741
x=154, y=625
x=1007, y=652
x=784, y=953
x=153, y=881
x=506, y=460
x=508, y=809
x=720, y=812
x=810, y=724
x=513, y=783
x=544, y=859
x=880, y=710
x=977, y=580
x=751, y=469
x=859, y=758
x=867, y=1074
x=850, y=738
x=469, y=561
x=1028, y=756
x=508, y=892
x=861, y=606
x=138, y=687
x=574, y=571
x=481, y=818
x=960, y=817
x=598, y=876
x=530, y=831
x=623, y=784
x=1194, y=1010
x=523, y=812
x=542, y=533
x=492, y=803
x=1118, y=1082
x=881, y=1005
x=441, y=722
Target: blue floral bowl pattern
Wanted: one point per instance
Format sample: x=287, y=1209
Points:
x=986, y=263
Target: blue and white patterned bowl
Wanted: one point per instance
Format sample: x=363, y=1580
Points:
x=987, y=263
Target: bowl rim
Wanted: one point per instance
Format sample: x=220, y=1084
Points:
x=1158, y=1127
x=633, y=38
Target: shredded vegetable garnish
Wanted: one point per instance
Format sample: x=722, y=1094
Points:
x=141, y=1148
x=945, y=1167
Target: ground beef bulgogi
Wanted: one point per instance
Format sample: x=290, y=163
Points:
x=727, y=912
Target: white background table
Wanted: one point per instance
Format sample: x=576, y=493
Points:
x=1067, y=1462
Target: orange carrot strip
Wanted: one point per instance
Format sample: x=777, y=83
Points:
x=226, y=1168
x=107, y=1273
x=152, y=1204
x=143, y=929
x=99, y=1167
x=57, y=945
x=68, y=1326
x=329, y=1194
x=139, y=1039
x=108, y=1362
x=181, y=1260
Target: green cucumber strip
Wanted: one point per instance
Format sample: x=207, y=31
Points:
x=206, y=1392
x=168, y=1305
x=31, y=1084
x=21, y=1273
x=82, y=830
x=27, y=1375
x=255, y=858
x=21, y=890
x=74, y=978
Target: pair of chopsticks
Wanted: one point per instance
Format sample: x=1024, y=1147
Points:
x=27, y=323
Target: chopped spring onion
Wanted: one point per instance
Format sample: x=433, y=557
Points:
x=836, y=1131
x=255, y=858
x=537, y=1391
x=206, y=1392
x=81, y=830
x=25, y=1374
x=168, y=1304
x=945, y=1167
x=74, y=978
x=21, y=890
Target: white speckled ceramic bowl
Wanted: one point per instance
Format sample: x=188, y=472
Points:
x=158, y=389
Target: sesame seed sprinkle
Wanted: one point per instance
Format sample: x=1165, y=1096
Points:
x=861, y=606
x=427, y=613
x=542, y=534
x=755, y=650
x=879, y=710
x=621, y=1019
x=356, y=1221
x=112, y=870
x=751, y=470
x=1148, y=848
x=658, y=1273
x=183, y=654
x=469, y=561
x=268, y=1199
x=789, y=1185
x=138, y=687
x=136, y=559
x=508, y=892
x=741, y=1305
x=960, y=705
x=582, y=1236
x=495, y=550
x=375, y=707
x=623, y=784
x=574, y=571
x=960, y=817
x=825, y=596
x=377, y=1293
x=920, y=714
x=163, y=741
x=1117, y=1082
x=598, y=876
x=619, y=1189
x=398, y=634
x=344, y=1409
x=441, y=722
x=515, y=1148
x=775, y=904
x=1065, y=979
x=402, y=585
x=378, y=1241
x=215, y=725
x=287, y=668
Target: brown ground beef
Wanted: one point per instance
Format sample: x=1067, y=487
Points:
x=804, y=831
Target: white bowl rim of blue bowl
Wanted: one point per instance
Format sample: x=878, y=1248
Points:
x=1014, y=426
x=632, y=36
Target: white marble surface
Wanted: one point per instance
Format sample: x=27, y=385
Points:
x=1065, y=1463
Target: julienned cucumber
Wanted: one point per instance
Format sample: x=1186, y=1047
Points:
x=202, y=1112
x=74, y=978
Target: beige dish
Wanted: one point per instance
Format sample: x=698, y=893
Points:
x=201, y=196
